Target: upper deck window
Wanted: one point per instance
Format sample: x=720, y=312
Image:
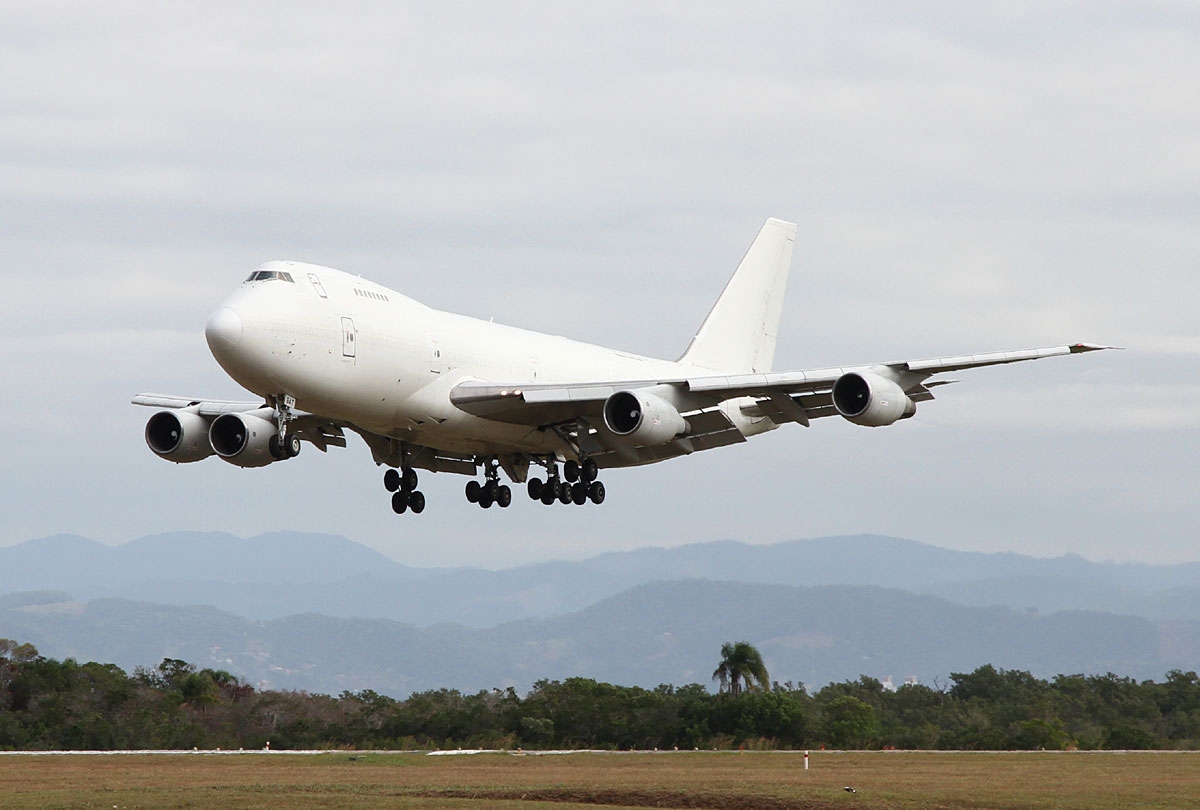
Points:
x=271, y=275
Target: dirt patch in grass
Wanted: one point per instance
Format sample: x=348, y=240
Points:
x=629, y=797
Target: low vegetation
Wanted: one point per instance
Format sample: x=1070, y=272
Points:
x=64, y=705
x=713, y=781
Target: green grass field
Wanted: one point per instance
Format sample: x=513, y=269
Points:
x=747, y=781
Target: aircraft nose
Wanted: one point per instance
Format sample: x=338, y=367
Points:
x=223, y=330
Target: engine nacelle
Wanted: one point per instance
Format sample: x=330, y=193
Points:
x=179, y=436
x=643, y=418
x=244, y=439
x=871, y=400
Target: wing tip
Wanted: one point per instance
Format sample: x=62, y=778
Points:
x=1079, y=348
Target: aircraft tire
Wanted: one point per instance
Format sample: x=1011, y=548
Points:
x=504, y=496
x=473, y=491
x=564, y=493
x=549, y=494
x=293, y=445
x=571, y=471
x=400, y=502
x=534, y=488
x=579, y=493
x=485, y=499
x=409, y=479
x=588, y=471
x=274, y=448
x=391, y=480
x=416, y=502
x=596, y=492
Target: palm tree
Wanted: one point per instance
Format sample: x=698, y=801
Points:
x=741, y=662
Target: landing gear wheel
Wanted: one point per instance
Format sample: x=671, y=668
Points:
x=571, y=471
x=588, y=471
x=504, y=496
x=596, y=492
x=549, y=493
x=579, y=493
x=391, y=480
x=485, y=498
x=564, y=493
x=534, y=487
x=473, y=491
x=416, y=502
x=292, y=445
x=274, y=448
x=400, y=502
x=409, y=479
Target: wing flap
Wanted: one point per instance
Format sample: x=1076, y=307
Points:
x=322, y=433
x=710, y=421
x=721, y=438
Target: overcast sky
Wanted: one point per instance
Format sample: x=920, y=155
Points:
x=966, y=177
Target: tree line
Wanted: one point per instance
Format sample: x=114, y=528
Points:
x=48, y=704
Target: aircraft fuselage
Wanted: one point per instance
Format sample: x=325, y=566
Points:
x=359, y=352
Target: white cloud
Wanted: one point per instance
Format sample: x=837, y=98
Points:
x=966, y=178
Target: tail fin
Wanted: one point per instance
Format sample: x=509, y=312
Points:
x=740, y=331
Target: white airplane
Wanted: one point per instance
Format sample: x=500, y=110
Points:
x=431, y=390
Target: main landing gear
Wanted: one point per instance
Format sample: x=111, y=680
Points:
x=579, y=487
x=405, y=495
x=491, y=491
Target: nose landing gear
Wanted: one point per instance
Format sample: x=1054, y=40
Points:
x=282, y=448
x=284, y=444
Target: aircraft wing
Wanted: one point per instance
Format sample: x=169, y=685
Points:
x=786, y=396
x=204, y=407
x=798, y=396
x=321, y=432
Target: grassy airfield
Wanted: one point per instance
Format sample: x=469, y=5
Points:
x=745, y=781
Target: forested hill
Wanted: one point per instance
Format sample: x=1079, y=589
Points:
x=650, y=634
x=320, y=612
x=287, y=573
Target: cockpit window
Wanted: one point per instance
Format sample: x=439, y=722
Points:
x=271, y=275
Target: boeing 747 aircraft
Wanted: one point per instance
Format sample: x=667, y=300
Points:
x=328, y=352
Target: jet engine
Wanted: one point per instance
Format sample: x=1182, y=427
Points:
x=871, y=400
x=179, y=436
x=244, y=439
x=643, y=418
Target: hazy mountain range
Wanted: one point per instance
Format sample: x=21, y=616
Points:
x=320, y=612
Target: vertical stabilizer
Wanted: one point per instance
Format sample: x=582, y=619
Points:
x=740, y=331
